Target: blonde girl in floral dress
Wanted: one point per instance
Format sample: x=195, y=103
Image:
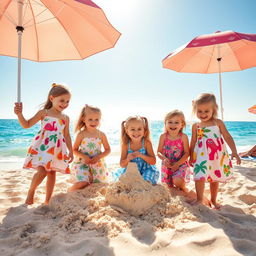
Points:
x=208, y=152
x=89, y=165
x=51, y=148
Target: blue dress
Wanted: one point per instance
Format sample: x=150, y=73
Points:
x=147, y=171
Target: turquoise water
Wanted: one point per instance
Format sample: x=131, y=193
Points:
x=14, y=140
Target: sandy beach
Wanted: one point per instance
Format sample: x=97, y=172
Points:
x=127, y=217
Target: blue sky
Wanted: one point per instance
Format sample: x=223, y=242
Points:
x=129, y=79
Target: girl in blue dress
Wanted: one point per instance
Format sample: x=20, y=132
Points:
x=137, y=147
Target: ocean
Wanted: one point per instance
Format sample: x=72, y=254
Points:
x=14, y=140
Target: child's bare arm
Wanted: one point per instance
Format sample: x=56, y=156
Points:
x=76, y=146
x=125, y=157
x=161, y=147
x=228, y=138
x=68, y=139
x=193, y=143
x=186, y=150
x=27, y=123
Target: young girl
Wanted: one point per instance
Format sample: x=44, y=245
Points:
x=89, y=165
x=137, y=147
x=208, y=152
x=173, y=150
x=48, y=152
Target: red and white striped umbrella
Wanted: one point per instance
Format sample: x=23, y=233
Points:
x=214, y=53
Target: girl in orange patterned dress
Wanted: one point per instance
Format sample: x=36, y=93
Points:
x=51, y=148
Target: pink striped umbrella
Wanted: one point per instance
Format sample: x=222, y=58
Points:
x=214, y=53
x=252, y=109
x=50, y=30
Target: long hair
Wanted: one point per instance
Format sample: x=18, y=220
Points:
x=206, y=98
x=56, y=90
x=125, y=124
x=80, y=124
x=172, y=114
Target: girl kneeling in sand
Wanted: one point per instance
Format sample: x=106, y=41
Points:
x=208, y=152
x=51, y=148
x=89, y=165
x=137, y=147
x=173, y=150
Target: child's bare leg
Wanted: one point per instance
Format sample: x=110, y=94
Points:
x=36, y=181
x=199, y=184
x=51, y=178
x=214, y=187
x=78, y=185
x=180, y=183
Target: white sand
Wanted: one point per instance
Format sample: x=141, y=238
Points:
x=130, y=217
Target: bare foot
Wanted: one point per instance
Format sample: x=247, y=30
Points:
x=204, y=201
x=215, y=205
x=30, y=198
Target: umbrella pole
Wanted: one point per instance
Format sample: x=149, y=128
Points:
x=19, y=29
x=220, y=83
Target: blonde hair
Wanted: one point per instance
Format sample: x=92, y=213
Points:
x=206, y=98
x=56, y=90
x=80, y=125
x=172, y=114
x=124, y=125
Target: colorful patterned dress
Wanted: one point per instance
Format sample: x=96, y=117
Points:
x=211, y=159
x=48, y=148
x=147, y=171
x=174, y=150
x=90, y=147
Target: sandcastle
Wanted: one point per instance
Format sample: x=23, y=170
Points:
x=133, y=194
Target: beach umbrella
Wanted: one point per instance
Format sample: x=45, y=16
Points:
x=50, y=30
x=214, y=53
x=252, y=109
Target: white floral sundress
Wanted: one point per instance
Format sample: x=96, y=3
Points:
x=211, y=159
x=90, y=147
x=48, y=148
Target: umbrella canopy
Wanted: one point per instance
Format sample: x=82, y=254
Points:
x=214, y=53
x=252, y=109
x=54, y=29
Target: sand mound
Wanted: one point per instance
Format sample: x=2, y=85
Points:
x=133, y=194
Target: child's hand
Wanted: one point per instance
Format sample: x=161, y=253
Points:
x=166, y=162
x=238, y=159
x=130, y=156
x=95, y=159
x=86, y=159
x=136, y=154
x=174, y=167
x=71, y=157
x=18, y=108
x=191, y=162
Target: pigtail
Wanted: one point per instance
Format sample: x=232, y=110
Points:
x=124, y=136
x=146, y=127
x=80, y=125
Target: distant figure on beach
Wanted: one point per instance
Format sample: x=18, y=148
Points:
x=250, y=152
x=89, y=166
x=208, y=152
x=173, y=150
x=137, y=147
x=51, y=148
